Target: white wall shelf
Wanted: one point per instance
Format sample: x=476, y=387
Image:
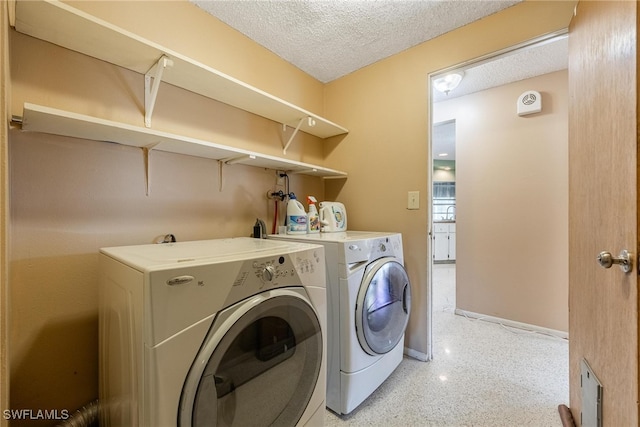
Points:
x=66, y=26
x=37, y=118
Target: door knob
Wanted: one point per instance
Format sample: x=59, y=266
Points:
x=606, y=260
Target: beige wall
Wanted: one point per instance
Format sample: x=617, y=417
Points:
x=180, y=26
x=512, y=202
x=70, y=197
x=386, y=108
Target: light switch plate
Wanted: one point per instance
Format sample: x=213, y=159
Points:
x=413, y=200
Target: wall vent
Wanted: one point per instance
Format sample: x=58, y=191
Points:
x=591, y=412
x=529, y=102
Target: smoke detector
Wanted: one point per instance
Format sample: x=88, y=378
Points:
x=529, y=102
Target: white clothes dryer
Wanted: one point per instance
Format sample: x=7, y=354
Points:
x=369, y=303
x=226, y=332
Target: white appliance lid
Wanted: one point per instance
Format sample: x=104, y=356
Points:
x=164, y=255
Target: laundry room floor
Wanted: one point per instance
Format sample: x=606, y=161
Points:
x=482, y=374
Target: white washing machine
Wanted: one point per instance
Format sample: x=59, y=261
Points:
x=217, y=332
x=369, y=300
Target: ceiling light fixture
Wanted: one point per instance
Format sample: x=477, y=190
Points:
x=443, y=154
x=447, y=83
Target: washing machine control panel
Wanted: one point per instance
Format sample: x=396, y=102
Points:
x=303, y=268
x=285, y=270
x=386, y=247
x=268, y=273
x=272, y=270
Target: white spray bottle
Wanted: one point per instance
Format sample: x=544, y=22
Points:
x=313, y=220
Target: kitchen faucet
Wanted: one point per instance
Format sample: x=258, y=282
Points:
x=454, y=212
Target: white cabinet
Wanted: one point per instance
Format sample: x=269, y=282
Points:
x=444, y=242
x=452, y=242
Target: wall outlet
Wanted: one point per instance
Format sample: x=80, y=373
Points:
x=413, y=201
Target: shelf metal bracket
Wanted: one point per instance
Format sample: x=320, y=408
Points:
x=231, y=161
x=310, y=121
x=145, y=152
x=152, y=80
x=220, y=175
x=304, y=172
x=234, y=160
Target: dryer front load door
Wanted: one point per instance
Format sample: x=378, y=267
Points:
x=259, y=365
x=384, y=302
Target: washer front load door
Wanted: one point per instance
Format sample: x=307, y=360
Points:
x=384, y=304
x=258, y=366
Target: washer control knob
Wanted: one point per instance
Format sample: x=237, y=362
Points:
x=268, y=273
x=383, y=247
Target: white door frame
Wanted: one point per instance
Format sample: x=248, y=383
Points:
x=536, y=42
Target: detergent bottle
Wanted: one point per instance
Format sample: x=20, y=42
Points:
x=296, y=216
x=313, y=220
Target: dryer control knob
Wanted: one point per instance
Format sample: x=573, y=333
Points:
x=383, y=247
x=268, y=273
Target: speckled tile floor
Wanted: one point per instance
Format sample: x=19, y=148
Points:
x=482, y=374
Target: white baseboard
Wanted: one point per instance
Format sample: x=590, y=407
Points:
x=415, y=354
x=513, y=324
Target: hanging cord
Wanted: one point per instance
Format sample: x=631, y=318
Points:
x=279, y=196
x=286, y=180
x=275, y=218
x=287, y=193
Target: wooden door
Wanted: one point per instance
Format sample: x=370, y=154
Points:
x=603, y=205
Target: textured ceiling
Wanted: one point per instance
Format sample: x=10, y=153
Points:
x=331, y=38
x=545, y=57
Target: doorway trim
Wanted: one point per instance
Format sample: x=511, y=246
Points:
x=462, y=66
